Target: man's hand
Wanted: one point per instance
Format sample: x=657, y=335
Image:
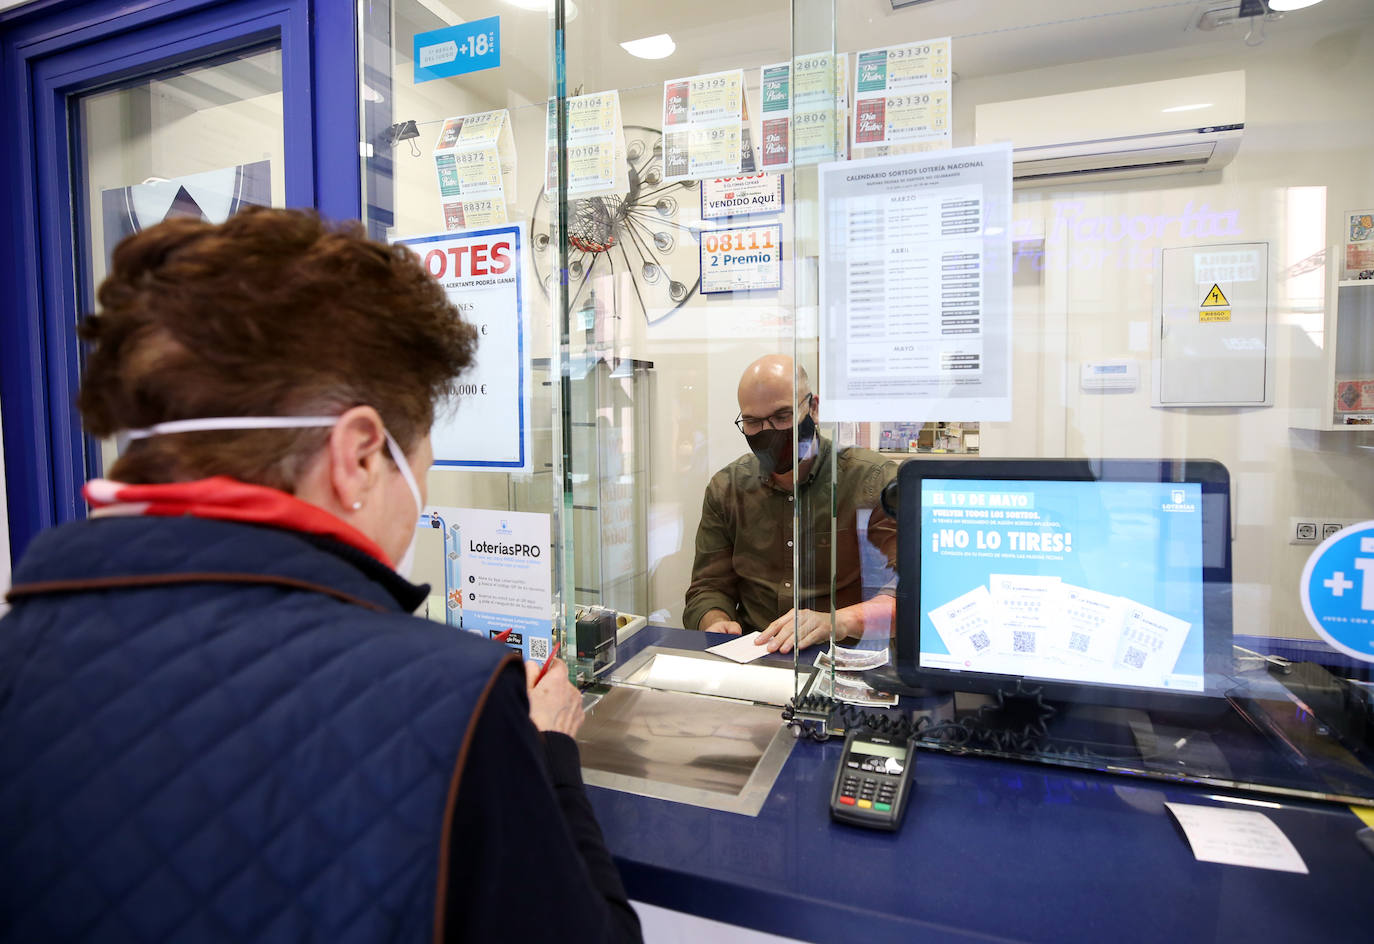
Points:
x=719, y=621
x=812, y=627
x=555, y=705
x=869, y=619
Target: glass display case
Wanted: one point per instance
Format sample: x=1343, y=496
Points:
x=777, y=259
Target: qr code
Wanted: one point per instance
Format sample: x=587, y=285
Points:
x=1134, y=657
x=979, y=640
x=1078, y=642
x=539, y=648
x=1022, y=641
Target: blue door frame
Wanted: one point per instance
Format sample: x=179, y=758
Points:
x=54, y=50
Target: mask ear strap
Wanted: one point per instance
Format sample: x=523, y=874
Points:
x=209, y=423
x=399, y=457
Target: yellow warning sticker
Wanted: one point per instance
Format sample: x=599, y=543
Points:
x=1214, y=314
x=1216, y=297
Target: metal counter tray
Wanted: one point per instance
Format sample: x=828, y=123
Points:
x=655, y=734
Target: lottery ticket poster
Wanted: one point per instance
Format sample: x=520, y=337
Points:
x=804, y=111
x=595, y=148
x=474, y=158
x=1051, y=579
x=902, y=95
x=485, y=426
x=753, y=195
x=741, y=259
x=703, y=127
x=1359, y=245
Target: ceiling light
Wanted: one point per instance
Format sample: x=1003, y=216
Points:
x=651, y=47
x=569, y=8
x=1187, y=107
x=1286, y=6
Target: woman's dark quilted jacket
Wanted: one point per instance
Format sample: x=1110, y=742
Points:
x=212, y=731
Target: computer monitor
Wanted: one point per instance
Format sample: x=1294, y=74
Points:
x=1106, y=581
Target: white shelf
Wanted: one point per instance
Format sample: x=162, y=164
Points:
x=1355, y=283
x=1334, y=428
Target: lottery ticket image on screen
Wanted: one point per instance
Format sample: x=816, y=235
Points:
x=1084, y=581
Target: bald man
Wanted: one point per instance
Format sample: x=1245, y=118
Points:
x=742, y=577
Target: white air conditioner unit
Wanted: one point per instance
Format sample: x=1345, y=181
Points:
x=1176, y=126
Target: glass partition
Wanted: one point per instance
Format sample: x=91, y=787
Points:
x=453, y=100
x=911, y=337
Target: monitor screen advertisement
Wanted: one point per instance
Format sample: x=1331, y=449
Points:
x=1079, y=581
x=1094, y=580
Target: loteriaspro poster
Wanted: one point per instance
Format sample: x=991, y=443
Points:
x=486, y=425
x=497, y=574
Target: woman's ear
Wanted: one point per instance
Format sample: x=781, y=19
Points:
x=356, y=448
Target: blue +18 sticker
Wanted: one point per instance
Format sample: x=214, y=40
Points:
x=1338, y=590
x=457, y=50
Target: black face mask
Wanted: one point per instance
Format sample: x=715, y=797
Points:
x=774, y=446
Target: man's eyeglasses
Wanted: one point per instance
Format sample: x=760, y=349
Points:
x=782, y=419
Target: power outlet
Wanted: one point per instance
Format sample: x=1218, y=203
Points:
x=1304, y=531
x=1314, y=529
x=1330, y=526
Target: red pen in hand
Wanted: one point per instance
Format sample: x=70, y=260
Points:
x=504, y=634
x=544, y=670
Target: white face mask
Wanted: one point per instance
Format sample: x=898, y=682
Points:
x=407, y=561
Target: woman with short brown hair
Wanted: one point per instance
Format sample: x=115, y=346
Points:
x=220, y=720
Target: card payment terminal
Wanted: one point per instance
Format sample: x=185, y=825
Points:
x=873, y=780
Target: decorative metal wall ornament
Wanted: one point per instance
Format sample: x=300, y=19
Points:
x=644, y=233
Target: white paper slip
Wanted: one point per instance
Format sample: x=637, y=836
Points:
x=1236, y=837
x=741, y=649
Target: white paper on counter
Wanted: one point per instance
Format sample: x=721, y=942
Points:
x=741, y=649
x=1236, y=837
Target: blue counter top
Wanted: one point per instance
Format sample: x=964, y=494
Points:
x=989, y=849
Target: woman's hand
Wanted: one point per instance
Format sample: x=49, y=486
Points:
x=555, y=705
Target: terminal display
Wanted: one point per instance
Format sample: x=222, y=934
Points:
x=1100, y=580
x=1083, y=581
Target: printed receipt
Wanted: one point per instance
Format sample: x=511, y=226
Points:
x=1236, y=837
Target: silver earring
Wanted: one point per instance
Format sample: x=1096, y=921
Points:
x=357, y=505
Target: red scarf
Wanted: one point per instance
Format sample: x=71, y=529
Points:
x=224, y=499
